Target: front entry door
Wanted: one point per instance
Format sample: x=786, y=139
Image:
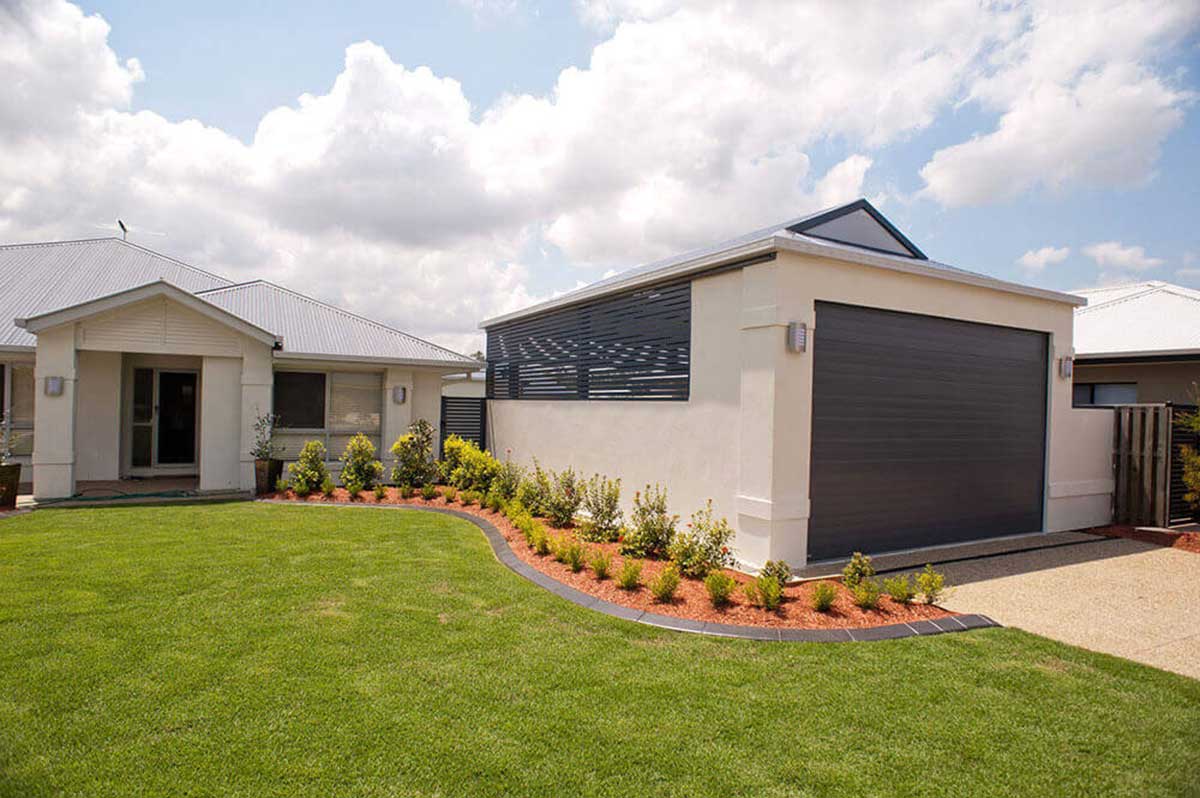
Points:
x=164, y=419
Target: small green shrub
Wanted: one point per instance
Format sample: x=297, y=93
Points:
x=465, y=466
x=558, y=548
x=540, y=541
x=574, y=555
x=858, y=569
x=380, y=492
x=778, y=570
x=765, y=592
x=327, y=486
x=360, y=470
x=566, y=494
x=665, y=583
x=282, y=485
x=931, y=584
x=900, y=588
x=602, y=501
x=653, y=527
x=450, y=495
x=309, y=473
x=506, y=480
x=534, y=491
x=866, y=594
x=407, y=491
x=494, y=501
x=601, y=564
x=630, y=575
x=471, y=497
x=720, y=586
x=429, y=492
x=703, y=545
x=823, y=596
x=414, y=455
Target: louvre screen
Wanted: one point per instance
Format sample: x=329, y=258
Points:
x=633, y=346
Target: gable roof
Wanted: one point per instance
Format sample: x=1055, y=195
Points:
x=1149, y=319
x=40, y=282
x=855, y=233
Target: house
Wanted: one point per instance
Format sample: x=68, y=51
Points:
x=828, y=386
x=1137, y=343
x=124, y=363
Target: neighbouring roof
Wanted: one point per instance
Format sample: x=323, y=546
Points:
x=37, y=279
x=1148, y=319
x=855, y=232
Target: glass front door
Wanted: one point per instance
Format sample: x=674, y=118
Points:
x=164, y=418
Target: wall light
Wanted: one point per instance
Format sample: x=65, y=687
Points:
x=797, y=336
x=399, y=394
x=54, y=386
x=1066, y=367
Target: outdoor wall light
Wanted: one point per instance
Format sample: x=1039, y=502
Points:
x=1066, y=367
x=54, y=386
x=399, y=394
x=797, y=336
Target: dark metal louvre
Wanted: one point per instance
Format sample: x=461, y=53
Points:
x=635, y=345
x=925, y=431
x=1179, y=511
x=466, y=417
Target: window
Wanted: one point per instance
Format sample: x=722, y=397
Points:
x=635, y=345
x=17, y=389
x=330, y=407
x=1103, y=394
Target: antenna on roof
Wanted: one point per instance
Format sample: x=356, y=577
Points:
x=124, y=230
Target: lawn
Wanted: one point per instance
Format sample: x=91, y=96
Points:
x=258, y=650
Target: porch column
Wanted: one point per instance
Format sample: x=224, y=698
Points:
x=396, y=418
x=54, y=416
x=258, y=381
x=220, y=423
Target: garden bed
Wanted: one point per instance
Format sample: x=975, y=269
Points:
x=1187, y=541
x=690, y=601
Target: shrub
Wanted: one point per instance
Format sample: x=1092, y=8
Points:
x=471, y=497
x=765, y=592
x=264, y=447
x=494, y=501
x=450, y=495
x=664, y=585
x=778, y=570
x=566, y=493
x=823, y=596
x=465, y=466
x=558, y=547
x=574, y=555
x=653, y=527
x=931, y=584
x=282, y=485
x=429, y=492
x=380, y=492
x=720, y=587
x=858, y=569
x=360, y=470
x=406, y=491
x=309, y=473
x=414, y=455
x=327, y=486
x=539, y=539
x=630, y=575
x=506, y=480
x=900, y=588
x=602, y=501
x=703, y=546
x=534, y=491
x=601, y=563
x=866, y=594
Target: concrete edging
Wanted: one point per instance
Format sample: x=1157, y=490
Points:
x=505, y=554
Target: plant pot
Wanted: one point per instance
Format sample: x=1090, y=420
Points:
x=266, y=474
x=10, y=478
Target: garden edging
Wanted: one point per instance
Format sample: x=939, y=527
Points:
x=505, y=554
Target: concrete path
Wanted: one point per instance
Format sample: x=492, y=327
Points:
x=1121, y=597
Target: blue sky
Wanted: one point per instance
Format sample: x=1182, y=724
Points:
x=1013, y=131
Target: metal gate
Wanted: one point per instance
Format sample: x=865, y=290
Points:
x=1148, y=443
x=466, y=417
x=1178, y=510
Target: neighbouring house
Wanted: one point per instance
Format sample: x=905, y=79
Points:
x=828, y=386
x=124, y=363
x=1137, y=343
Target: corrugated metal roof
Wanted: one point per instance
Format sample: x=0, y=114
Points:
x=311, y=327
x=40, y=278
x=1144, y=318
x=37, y=278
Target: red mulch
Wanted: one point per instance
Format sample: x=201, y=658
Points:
x=691, y=600
x=1188, y=541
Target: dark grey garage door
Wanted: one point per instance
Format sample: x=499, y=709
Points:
x=925, y=431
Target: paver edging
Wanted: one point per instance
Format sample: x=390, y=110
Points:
x=505, y=554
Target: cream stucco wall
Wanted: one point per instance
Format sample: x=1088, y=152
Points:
x=1156, y=382
x=220, y=423
x=744, y=437
x=98, y=416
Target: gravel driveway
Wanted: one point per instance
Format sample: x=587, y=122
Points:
x=1122, y=597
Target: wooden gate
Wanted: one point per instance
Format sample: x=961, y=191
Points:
x=1141, y=464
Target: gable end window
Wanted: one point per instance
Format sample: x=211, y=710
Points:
x=1103, y=394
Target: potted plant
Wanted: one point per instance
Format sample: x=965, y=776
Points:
x=267, y=468
x=10, y=472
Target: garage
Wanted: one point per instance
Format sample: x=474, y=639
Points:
x=925, y=431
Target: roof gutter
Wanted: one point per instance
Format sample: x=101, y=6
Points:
x=1132, y=358
x=455, y=366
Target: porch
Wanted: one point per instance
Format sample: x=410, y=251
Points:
x=135, y=490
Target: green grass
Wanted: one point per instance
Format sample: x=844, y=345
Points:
x=256, y=650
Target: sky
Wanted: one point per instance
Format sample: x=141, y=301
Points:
x=433, y=164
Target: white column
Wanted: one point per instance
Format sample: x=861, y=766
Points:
x=220, y=423
x=54, y=416
x=258, y=380
x=396, y=418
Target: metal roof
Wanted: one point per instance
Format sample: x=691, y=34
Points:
x=36, y=279
x=1146, y=319
x=788, y=235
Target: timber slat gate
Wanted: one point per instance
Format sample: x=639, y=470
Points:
x=1147, y=465
x=466, y=417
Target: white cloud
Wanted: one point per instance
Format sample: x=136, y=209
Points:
x=1115, y=255
x=1079, y=100
x=1038, y=259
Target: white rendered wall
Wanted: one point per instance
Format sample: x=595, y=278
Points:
x=98, y=416
x=54, y=416
x=220, y=423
